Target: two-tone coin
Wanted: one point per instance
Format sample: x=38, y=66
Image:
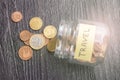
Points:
x=50, y=31
x=16, y=16
x=25, y=53
x=36, y=23
x=37, y=41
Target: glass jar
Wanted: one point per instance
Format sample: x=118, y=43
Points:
x=82, y=42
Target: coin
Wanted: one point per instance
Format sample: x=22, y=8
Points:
x=25, y=35
x=27, y=43
x=50, y=31
x=97, y=47
x=93, y=60
x=16, y=16
x=46, y=41
x=36, y=23
x=52, y=45
x=37, y=41
x=25, y=53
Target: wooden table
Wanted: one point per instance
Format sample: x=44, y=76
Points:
x=46, y=66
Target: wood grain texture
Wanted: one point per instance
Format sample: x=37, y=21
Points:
x=44, y=66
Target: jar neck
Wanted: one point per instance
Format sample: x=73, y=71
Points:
x=67, y=33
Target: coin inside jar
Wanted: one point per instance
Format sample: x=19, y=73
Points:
x=50, y=31
x=16, y=16
x=37, y=41
x=25, y=53
x=25, y=35
x=36, y=23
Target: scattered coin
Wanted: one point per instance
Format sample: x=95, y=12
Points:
x=25, y=35
x=52, y=45
x=27, y=42
x=36, y=23
x=37, y=41
x=50, y=31
x=25, y=53
x=46, y=41
x=16, y=16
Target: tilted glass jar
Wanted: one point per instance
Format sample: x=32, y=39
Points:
x=82, y=42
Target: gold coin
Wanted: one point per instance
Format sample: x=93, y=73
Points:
x=37, y=41
x=25, y=53
x=52, y=45
x=16, y=16
x=50, y=31
x=25, y=35
x=36, y=23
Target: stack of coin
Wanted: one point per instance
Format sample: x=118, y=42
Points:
x=50, y=32
x=52, y=45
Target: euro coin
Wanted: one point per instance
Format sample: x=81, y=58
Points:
x=37, y=41
x=52, y=45
x=25, y=53
x=50, y=31
x=25, y=35
x=36, y=23
x=16, y=16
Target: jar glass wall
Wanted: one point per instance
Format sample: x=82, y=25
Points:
x=82, y=42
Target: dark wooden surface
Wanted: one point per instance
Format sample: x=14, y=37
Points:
x=46, y=66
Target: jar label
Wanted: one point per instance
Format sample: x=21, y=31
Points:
x=85, y=42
